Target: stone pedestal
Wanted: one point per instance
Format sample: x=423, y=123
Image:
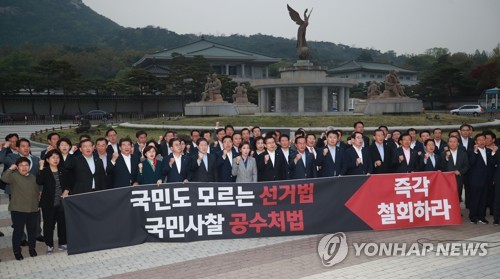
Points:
x=220, y=109
x=389, y=106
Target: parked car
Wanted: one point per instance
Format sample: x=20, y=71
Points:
x=98, y=115
x=474, y=110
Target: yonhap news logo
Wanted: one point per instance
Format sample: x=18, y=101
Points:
x=333, y=248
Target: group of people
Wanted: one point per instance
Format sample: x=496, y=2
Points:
x=227, y=155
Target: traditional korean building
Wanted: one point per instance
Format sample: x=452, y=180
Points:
x=238, y=64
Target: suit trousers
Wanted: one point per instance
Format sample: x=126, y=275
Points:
x=51, y=216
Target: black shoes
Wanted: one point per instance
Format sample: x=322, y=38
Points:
x=40, y=238
x=1, y=234
x=473, y=221
x=19, y=256
x=33, y=253
x=483, y=221
x=24, y=243
x=496, y=222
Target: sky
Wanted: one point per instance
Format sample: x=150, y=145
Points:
x=404, y=26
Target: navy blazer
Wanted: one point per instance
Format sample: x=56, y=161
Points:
x=403, y=167
x=350, y=158
x=148, y=175
x=270, y=172
x=480, y=173
x=122, y=177
x=200, y=173
x=327, y=166
x=386, y=166
x=224, y=167
x=172, y=173
x=299, y=171
x=423, y=166
x=419, y=147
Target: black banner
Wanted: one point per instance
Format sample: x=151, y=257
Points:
x=202, y=211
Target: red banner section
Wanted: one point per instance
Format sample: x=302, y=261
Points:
x=407, y=200
x=203, y=211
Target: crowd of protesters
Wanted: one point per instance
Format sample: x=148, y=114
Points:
x=227, y=155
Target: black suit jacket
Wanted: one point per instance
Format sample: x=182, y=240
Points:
x=350, y=158
x=224, y=167
x=122, y=177
x=375, y=155
x=46, y=179
x=200, y=173
x=470, y=145
x=326, y=165
x=442, y=145
x=480, y=172
x=268, y=171
x=299, y=171
x=461, y=164
x=110, y=150
x=172, y=173
x=427, y=166
x=403, y=167
x=81, y=176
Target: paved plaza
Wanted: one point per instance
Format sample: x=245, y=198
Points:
x=274, y=257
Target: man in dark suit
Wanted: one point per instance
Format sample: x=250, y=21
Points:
x=330, y=157
x=482, y=167
x=467, y=144
x=9, y=146
x=112, y=137
x=140, y=144
x=124, y=167
x=301, y=163
x=195, y=136
x=465, y=140
x=52, y=139
x=216, y=146
x=357, y=158
x=429, y=161
x=405, y=159
x=441, y=145
x=165, y=149
x=224, y=161
x=286, y=150
x=380, y=153
x=359, y=126
x=311, y=145
x=176, y=166
x=237, y=139
x=203, y=167
x=457, y=161
x=415, y=144
x=271, y=165
x=86, y=171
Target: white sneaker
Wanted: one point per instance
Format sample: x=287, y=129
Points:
x=63, y=247
x=50, y=250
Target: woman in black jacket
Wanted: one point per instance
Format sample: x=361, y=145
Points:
x=55, y=181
